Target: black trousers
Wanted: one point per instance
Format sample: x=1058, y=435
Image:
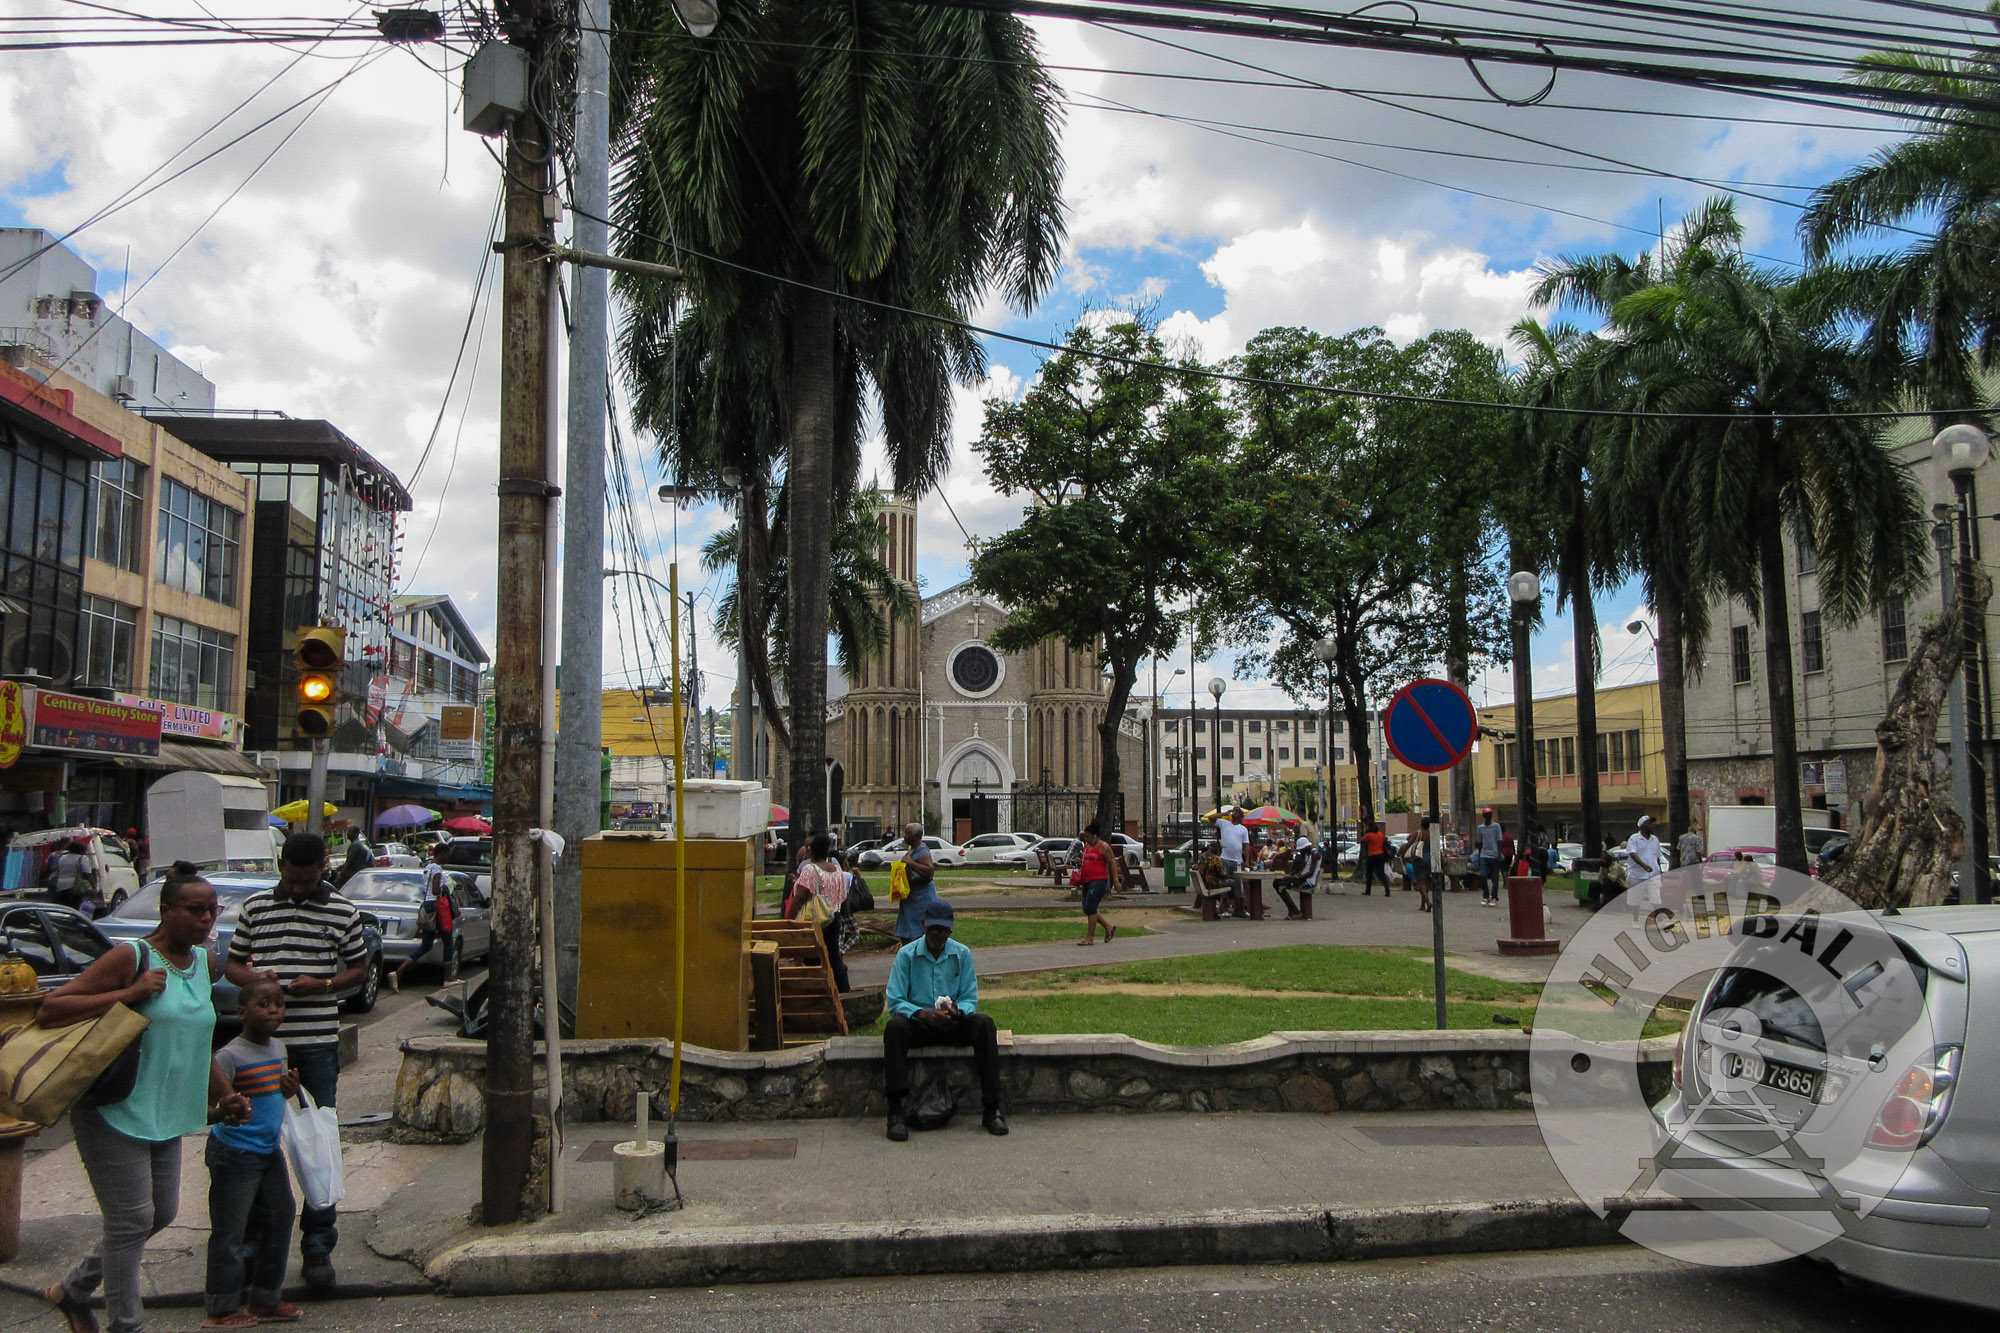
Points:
x=974, y=1030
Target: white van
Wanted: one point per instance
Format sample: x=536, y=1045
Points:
x=109, y=857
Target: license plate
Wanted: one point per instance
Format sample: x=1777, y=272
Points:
x=1798, y=1081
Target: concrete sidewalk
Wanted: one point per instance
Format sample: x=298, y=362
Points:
x=780, y=1201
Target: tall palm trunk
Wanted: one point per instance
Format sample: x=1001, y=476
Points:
x=1583, y=638
x=1673, y=706
x=1778, y=683
x=809, y=490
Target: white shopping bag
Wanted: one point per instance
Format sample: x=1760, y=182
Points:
x=312, y=1145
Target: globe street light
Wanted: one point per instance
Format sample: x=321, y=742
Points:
x=1959, y=451
x=1216, y=685
x=1524, y=590
x=1324, y=650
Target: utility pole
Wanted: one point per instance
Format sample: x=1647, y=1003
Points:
x=581, y=740
x=694, y=692
x=525, y=496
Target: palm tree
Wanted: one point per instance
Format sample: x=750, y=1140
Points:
x=1560, y=370
x=828, y=175
x=1761, y=357
x=1639, y=517
x=1932, y=307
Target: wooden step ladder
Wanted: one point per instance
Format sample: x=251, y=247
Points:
x=809, y=1007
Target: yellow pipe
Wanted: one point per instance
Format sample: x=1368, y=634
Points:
x=680, y=844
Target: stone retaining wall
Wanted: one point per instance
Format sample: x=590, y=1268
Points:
x=439, y=1096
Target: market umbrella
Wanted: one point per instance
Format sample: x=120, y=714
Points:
x=1265, y=815
x=465, y=824
x=294, y=812
x=779, y=814
x=402, y=816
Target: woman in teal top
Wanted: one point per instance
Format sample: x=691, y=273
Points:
x=131, y=1149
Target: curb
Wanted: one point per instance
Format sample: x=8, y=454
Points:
x=519, y=1264
x=414, y=1285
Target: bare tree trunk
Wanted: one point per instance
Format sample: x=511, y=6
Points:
x=1906, y=851
x=1583, y=638
x=1778, y=683
x=809, y=494
x=1122, y=679
x=1673, y=708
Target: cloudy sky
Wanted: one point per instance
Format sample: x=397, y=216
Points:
x=1227, y=185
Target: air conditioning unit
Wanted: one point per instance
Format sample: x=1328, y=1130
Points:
x=124, y=388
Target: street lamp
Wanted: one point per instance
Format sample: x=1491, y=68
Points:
x=1216, y=685
x=1153, y=751
x=1524, y=591
x=1324, y=649
x=1959, y=451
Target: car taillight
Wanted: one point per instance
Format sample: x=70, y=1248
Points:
x=1916, y=1109
x=381, y=861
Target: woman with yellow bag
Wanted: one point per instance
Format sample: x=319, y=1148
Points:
x=131, y=1148
x=913, y=873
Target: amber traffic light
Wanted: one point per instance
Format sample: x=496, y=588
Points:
x=319, y=657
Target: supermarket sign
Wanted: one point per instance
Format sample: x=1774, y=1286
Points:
x=181, y=720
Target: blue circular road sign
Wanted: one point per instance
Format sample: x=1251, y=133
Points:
x=1430, y=725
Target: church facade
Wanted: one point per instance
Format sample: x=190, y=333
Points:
x=943, y=728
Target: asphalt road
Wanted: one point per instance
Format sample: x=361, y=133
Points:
x=1593, y=1290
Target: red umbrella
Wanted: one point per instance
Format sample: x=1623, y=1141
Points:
x=779, y=814
x=468, y=824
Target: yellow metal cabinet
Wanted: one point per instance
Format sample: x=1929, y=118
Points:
x=626, y=977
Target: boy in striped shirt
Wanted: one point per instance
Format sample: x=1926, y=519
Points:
x=249, y=1192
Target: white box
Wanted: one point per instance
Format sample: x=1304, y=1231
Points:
x=719, y=809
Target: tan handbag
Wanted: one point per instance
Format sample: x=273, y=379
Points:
x=43, y=1070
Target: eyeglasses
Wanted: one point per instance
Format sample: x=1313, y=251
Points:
x=199, y=909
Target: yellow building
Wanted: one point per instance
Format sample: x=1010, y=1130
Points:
x=1631, y=760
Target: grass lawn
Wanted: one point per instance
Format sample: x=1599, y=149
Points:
x=1403, y=974
x=986, y=930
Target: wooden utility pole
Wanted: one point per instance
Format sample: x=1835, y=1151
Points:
x=526, y=499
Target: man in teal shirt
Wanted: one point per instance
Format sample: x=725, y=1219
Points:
x=933, y=1000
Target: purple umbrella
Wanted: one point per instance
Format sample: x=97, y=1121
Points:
x=404, y=816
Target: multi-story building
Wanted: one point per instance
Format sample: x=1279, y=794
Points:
x=428, y=697
x=1256, y=750
x=1631, y=762
x=323, y=551
x=1842, y=675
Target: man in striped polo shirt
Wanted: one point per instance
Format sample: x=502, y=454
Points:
x=307, y=938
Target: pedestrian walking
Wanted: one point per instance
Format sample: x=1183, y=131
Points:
x=437, y=923
x=1417, y=862
x=921, y=869
x=359, y=858
x=249, y=1189
x=1691, y=850
x=1101, y=870
x=306, y=937
x=1374, y=860
x=1643, y=867
x=131, y=1149
x=1486, y=841
x=819, y=895
x=72, y=879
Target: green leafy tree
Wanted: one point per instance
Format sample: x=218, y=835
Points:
x=1123, y=461
x=818, y=169
x=1343, y=517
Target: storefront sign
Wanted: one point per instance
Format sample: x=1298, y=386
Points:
x=458, y=732
x=202, y=724
x=94, y=726
x=13, y=723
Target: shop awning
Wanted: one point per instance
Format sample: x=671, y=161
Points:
x=174, y=757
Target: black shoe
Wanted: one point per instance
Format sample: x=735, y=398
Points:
x=898, y=1131
x=995, y=1123
x=319, y=1280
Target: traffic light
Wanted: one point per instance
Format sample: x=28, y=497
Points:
x=319, y=658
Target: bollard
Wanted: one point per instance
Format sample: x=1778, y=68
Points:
x=639, y=1168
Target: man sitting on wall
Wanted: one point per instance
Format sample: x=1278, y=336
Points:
x=933, y=1000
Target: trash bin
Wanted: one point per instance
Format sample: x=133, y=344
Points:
x=1176, y=869
x=1587, y=884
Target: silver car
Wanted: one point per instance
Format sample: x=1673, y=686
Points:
x=991, y=847
x=1933, y=1233
x=393, y=897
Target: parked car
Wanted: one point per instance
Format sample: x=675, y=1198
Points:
x=942, y=852
x=139, y=916
x=116, y=879
x=395, y=856
x=986, y=849
x=1059, y=849
x=1563, y=861
x=1929, y=1235
x=1721, y=865
x=1025, y=856
x=57, y=941
x=393, y=898
x=475, y=857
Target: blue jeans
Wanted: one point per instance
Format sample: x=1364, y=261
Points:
x=249, y=1227
x=319, y=1074
x=1489, y=878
